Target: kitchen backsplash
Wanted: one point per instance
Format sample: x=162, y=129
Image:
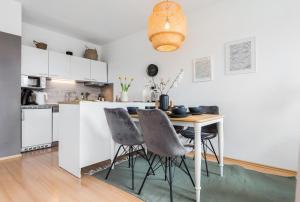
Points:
x=61, y=92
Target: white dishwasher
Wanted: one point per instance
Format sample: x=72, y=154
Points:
x=36, y=127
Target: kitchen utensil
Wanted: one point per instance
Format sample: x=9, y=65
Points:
x=40, y=98
x=178, y=115
x=178, y=106
x=132, y=110
x=150, y=107
x=179, y=111
x=26, y=97
x=195, y=110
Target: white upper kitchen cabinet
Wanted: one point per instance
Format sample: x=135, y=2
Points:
x=34, y=61
x=11, y=17
x=59, y=65
x=98, y=71
x=80, y=69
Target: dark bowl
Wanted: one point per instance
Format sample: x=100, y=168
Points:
x=150, y=107
x=178, y=106
x=132, y=110
x=179, y=110
x=196, y=110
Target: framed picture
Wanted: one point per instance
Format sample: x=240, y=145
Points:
x=202, y=69
x=240, y=56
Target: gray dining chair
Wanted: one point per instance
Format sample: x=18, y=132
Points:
x=162, y=140
x=125, y=132
x=207, y=134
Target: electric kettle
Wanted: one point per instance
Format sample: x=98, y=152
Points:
x=40, y=98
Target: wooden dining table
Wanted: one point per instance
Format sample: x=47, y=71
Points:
x=199, y=121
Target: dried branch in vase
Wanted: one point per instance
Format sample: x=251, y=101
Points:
x=162, y=86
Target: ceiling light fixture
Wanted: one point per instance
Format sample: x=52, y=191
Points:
x=167, y=26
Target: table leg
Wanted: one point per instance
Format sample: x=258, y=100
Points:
x=221, y=145
x=197, y=128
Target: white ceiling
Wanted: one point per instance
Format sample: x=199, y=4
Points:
x=97, y=21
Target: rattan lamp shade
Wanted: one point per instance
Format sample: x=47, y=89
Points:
x=167, y=38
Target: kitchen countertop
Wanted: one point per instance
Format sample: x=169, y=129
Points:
x=77, y=102
x=45, y=106
x=70, y=103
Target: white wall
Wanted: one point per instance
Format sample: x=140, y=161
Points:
x=10, y=17
x=261, y=109
x=56, y=41
x=298, y=182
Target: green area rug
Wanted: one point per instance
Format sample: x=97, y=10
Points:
x=237, y=185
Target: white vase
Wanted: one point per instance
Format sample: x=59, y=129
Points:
x=124, y=96
x=146, y=94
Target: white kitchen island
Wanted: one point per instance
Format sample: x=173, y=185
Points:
x=84, y=135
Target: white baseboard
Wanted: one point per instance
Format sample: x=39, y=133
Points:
x=10, y=157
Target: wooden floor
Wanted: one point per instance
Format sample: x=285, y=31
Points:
x=36, y=177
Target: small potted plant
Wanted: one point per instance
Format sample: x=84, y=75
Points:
x=125, y=85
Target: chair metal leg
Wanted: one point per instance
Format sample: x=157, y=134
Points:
x=129, y=158
x=114, y=161
x=213, y=149
x=204, y=152
x=150, y=157
x=132, y=167
x=170, y=179
x=166, y=167
x=147, y=159
x=180, y=163
x=187, y=170
x=147, y=174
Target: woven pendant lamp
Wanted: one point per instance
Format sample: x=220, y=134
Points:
x=167, y=26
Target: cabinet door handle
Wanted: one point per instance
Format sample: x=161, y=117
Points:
x=23, y=116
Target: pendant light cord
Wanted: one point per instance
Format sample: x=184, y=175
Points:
x=168, y=6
